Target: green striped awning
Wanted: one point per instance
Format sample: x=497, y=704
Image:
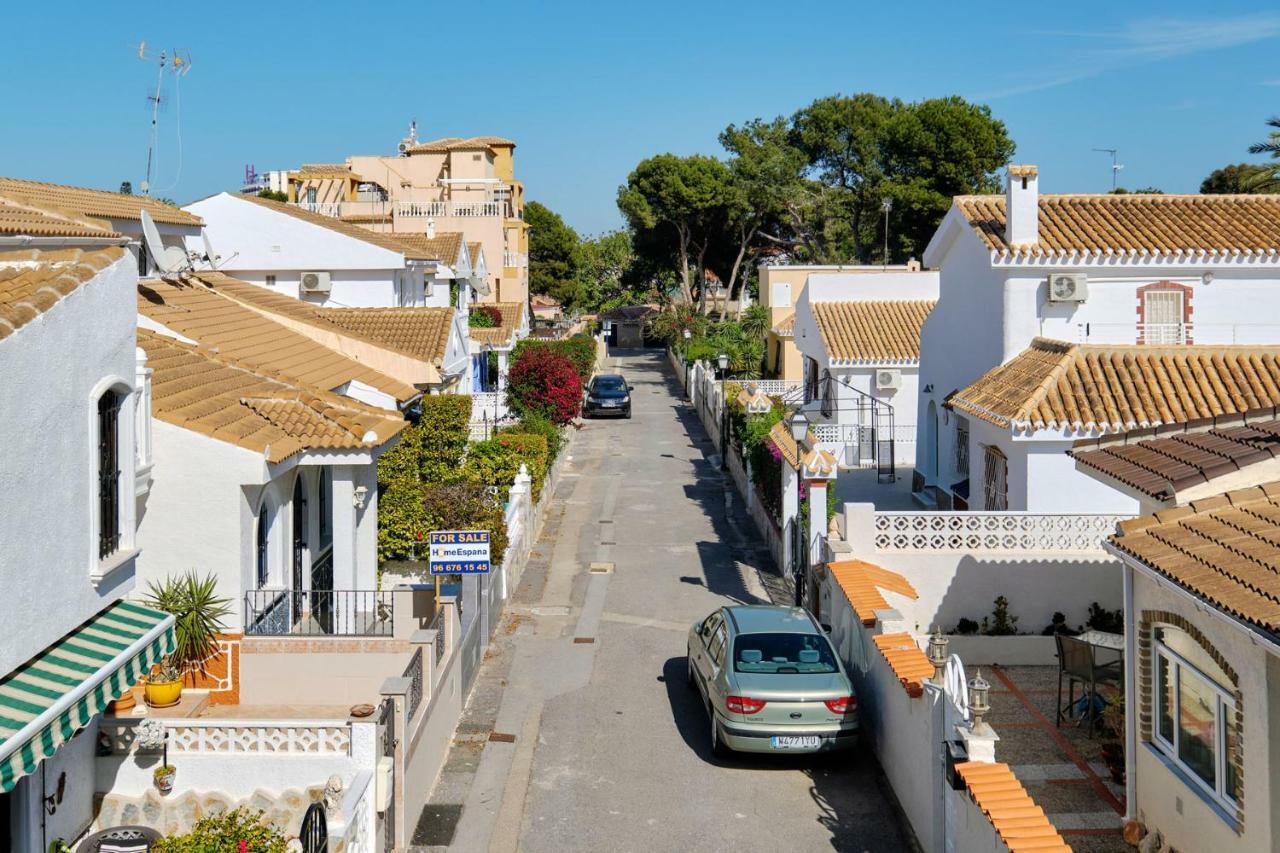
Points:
x=59, y=691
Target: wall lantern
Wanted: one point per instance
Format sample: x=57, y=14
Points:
x=723, y=360
x=799, y=427
x=358, y=495
x=979, y=704
x=937, y=653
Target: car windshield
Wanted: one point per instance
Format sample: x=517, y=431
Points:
x=609, y=386
x=783, y=653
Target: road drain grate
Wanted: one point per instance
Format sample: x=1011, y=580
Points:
x=606, y=521
x=501, y=737
x=601, y=568
x=608, y=543
x=583, y=641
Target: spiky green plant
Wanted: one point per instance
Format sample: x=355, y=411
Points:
x=198, y=613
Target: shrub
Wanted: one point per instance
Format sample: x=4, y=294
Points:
x=198, y=617
x=532, y=451
x=468, y=506
x=431, y=449
x=966, y=626
x=402, y=520
x=484, y=317
x=494, y=465
x=544, y=383
x=1001, y=624
x=1102, y=619
x=579, y=349
x=225, y=832
x=537, y=425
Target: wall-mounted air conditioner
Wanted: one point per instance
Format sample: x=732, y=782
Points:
x=315, y=282
x=1068, y=287
x=888, y=380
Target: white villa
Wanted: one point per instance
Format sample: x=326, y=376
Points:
x=1066, y=317
x=859, y=339
x=321, y=259
x=73, y=396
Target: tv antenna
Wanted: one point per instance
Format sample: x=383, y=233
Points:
x=178, y=66
x=1115, y=167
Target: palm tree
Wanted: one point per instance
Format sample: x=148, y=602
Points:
x=1268, y=181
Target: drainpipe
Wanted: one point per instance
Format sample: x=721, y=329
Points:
x=1130, y=699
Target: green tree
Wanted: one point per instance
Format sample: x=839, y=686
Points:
x=602, y=263
x=676, y=205
x=553, y=249
x=1236, y=178
x=766, y=180
x=1268, y=182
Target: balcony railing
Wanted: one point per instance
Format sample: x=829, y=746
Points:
x=993, y=531
x=411, y=209
x=319, y=613
x=468, y=209
x=324, y=208
x=515, y=260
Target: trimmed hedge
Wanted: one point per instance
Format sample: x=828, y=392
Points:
x=535, y=425
x=496, y=462
x=579, y=349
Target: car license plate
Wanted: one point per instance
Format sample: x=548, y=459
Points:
x=795, y=741
x=612, y=403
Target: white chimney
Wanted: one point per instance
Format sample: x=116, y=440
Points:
x=431, y=227
x=1022, y=207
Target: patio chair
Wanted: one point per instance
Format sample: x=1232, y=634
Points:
x=120, y=839
x=1077, y=663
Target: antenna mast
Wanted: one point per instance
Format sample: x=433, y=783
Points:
x=1115, y=167
x=179, y=67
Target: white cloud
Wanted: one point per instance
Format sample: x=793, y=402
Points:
x=1141, y=42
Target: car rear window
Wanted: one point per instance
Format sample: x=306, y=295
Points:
x=793, y=654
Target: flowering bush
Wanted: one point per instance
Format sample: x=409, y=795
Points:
x=484, y=317
x=544, y=382
x=580, y=349
x=238, y=829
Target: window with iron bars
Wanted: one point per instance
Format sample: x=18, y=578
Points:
x=995, y=481
x=109, y=473
x=962, y=447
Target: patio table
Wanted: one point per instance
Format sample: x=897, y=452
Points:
x=1104, y=640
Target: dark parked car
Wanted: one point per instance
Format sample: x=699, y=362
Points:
x=608, y=394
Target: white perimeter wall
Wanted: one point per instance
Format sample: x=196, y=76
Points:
x=51, y=368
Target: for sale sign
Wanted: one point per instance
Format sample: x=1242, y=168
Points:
x=459, y=552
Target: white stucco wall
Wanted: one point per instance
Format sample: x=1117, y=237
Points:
x=53, y=369
x=1167, y=803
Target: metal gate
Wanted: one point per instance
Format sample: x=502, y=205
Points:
x=322, y=597
x=388, y=722
x=798, y=535
x=314, y=834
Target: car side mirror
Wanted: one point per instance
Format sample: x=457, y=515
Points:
x=826, y=629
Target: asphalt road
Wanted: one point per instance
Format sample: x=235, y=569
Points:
x=611, y=746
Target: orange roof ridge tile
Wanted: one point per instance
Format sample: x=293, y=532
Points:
x=1020, y=823
x=98, y=204
x=32, y=280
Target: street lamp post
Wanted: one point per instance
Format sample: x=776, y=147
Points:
x=886, y=205
x=723, y=361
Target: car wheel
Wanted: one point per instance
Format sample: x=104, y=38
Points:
x=718, y=748
x=688, y=669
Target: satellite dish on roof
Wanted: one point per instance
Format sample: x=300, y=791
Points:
x=168, y=259
x=210, y=257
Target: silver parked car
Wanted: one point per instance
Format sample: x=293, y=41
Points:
x=771, y=682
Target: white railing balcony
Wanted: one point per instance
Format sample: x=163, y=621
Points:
x=442, y=209
x=1003, y=532
x=324, y=208
x=261, y=737
x=515, y=260
x=1176, y=333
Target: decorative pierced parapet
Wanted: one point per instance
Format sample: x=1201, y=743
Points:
x=993, y=531
x=195, y=737
x=413, y=672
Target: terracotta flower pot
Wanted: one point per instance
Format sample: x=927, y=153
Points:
x=163, y=694
x=126, y=701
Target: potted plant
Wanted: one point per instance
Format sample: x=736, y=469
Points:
x=163, y=777
x=198, y=613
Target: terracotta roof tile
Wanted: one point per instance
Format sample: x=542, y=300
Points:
x=1020, y=823
x=95, y=203
x=420, y=333
x=446, y=246
x=33, y=281
x=862, y=583
x=326, y=170
x=25, y=218
x=212, y=394
x=1224, y=549
x=907, y=661
x=457, y=143
x=855, y=332
x=1057, y=385
x=473, y=251
x=786, y=327
x=1160, y=467
x=1137, y=224
x=391, y=242
x=502, y=334
x=217, y=322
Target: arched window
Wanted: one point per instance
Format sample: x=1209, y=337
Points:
x=109, y=512
x=264, y=530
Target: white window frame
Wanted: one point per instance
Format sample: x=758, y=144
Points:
x=103, y=569
x=1169, y=749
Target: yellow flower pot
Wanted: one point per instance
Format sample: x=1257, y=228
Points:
x=163, y=694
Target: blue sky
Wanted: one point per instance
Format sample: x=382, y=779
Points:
x=588, y=89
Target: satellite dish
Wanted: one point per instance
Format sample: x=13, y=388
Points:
x=209, y=257
x=167, y=259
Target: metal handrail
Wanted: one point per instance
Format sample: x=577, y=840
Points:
x=319, y=613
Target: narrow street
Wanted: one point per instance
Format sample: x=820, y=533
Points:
x=581, y=734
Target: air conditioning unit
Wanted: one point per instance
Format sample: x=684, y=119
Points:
x=403, y=147
x=888, y=380
x=315, y=282
x=1068, y=287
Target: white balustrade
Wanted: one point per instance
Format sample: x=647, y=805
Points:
x=324, y=208
x=993, y=531
x=470, y=209
x=241, y=736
